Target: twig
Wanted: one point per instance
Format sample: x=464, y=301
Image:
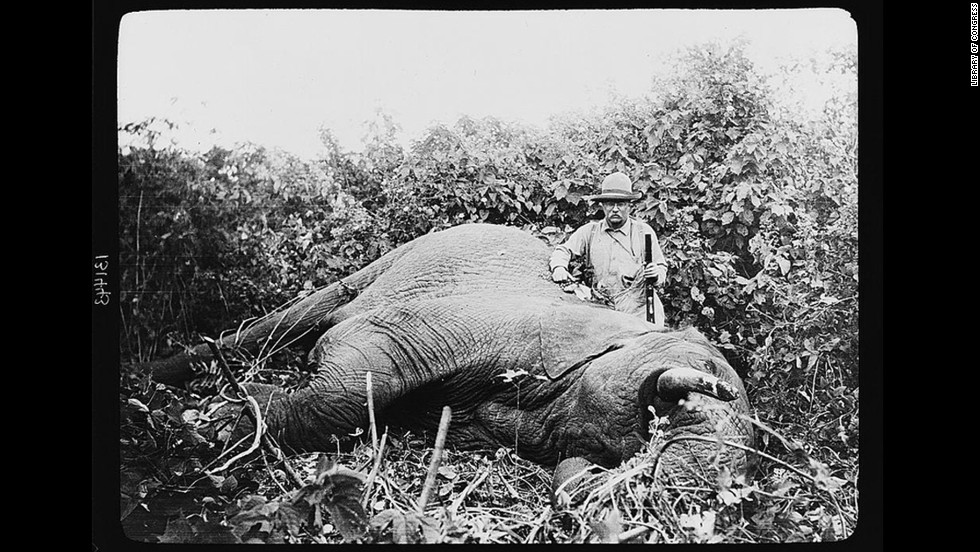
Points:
x=227, y=451
x=276, y=453
x=282, y=316
x=632, y=533
x=272, y=475
x=469, y=488
x=255, y=415
x=378, y=455
x=536, y=526
x=139, y=211
x=256, y=442
x=225, y=369
x=678, y=439
x=370, y=405
x=430, y=479
x=510, y=488
x=278, y=345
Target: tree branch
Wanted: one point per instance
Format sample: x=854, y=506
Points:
x=430, y=479
x=261, y=438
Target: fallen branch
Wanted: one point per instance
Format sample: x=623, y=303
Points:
x=538, y=524
x=228, y=450
x=469, y=488
x=510, y=488
x=370, y=405
x=255, y=417
x=632, y=533
x=378, y=455
x=430, y=479
x=256, y=442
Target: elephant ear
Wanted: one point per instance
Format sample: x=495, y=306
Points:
x=573, y=337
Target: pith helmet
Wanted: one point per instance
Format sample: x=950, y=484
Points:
x=616, y=187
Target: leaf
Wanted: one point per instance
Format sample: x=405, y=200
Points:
x=583, y=292
x=510, y=375
x=747, y=216
x=609, y=529
x=729, y=497
x=696, y=294
x=292, y=516
x=404, y=526
x=228, y=484
x=394, y=519
x=349, y=517
x=784, y=265
x=430, y=530
x=338, y=490
x=735, y=165
x=701, y=524
x=140, y=406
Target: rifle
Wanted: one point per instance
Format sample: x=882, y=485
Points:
x=649, y=284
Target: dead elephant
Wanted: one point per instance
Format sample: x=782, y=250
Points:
x=468, y=317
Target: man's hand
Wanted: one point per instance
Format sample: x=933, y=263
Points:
x=656, y=272
x=560, y=274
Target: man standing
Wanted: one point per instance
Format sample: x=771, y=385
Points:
x=614, y=246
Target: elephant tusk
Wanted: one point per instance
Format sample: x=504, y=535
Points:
x=677, y=382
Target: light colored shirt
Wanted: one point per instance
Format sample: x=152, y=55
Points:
x=615, y=255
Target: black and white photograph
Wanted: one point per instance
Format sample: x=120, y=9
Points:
x=478, y=276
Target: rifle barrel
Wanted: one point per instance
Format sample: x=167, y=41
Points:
x=648, y=258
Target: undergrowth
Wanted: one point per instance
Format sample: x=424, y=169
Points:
x=180, y=485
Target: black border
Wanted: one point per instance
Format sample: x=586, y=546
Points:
x=105, y=18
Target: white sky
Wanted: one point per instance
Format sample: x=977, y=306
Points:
x=274, y=77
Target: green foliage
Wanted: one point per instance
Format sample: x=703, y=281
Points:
x=755, y=207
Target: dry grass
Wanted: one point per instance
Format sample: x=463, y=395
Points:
x=495, y=497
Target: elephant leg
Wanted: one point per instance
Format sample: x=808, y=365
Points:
x=276, y=330
x=297, y=321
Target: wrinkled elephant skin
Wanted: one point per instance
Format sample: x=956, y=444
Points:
x=469, y=318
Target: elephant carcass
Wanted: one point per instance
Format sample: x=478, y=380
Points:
x=469, y=318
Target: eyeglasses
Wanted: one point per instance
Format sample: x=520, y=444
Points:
x=614, y=204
